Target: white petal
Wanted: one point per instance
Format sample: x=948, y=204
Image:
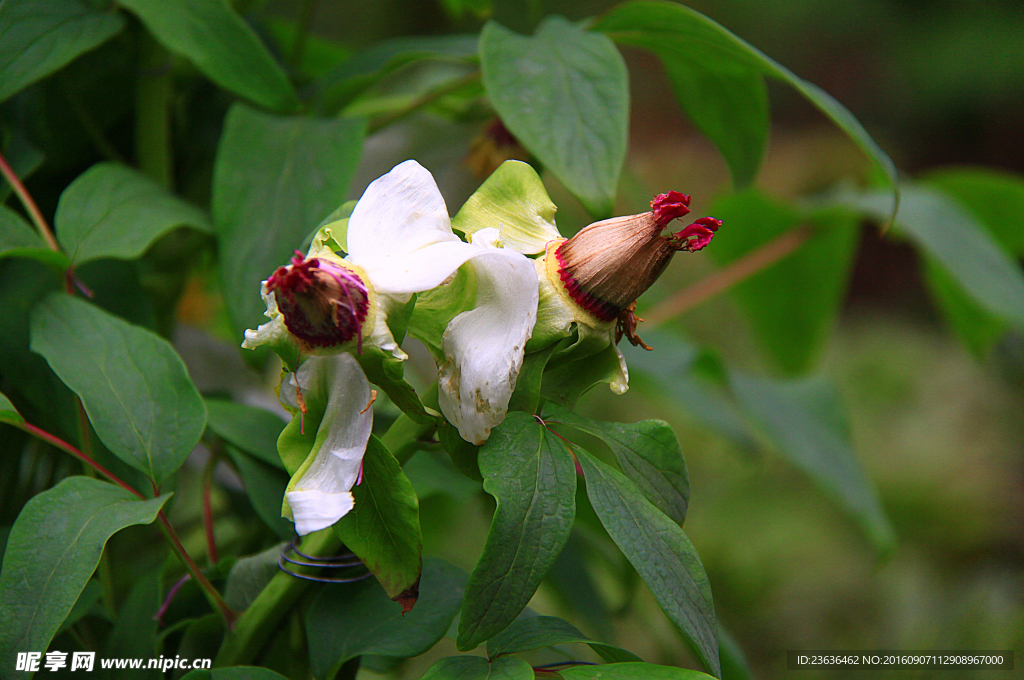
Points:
x=620, y=383
x=484, y=346
x=399, y=213
x=381, y=336
x=422, y=269
x=321, y=495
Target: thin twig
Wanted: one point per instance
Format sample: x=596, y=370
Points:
x=728, y=276
x=211, y=542
x=30, y=205
x=426, y=99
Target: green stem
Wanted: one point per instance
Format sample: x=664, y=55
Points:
x=254, y=626
x=153, y=113
x=211, y=593
x=207, y=485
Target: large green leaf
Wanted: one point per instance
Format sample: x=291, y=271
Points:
x=275, y=179
x=805, y=421
x=659, y=551
x=51, y=553
x=564, y=94
x=133, y=385
x=686, y=40
x=221, y=45
x=647, y=452
x=631, y=671
x=994, y=197
x=253, y=430
x=265, y=486
x=535, y=632
x=113, y=211
x=250, y=575
x=384, y=527
x=478, y=668
x=348, y=621
x=531, y=475
x=977, y=327
x=22, y=156
x=18, y=239
x=954, y=239
x=792, y=304
x=37, y=38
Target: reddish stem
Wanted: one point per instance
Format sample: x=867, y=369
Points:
x=211, y=542
x=30, y=205
x=729, y=276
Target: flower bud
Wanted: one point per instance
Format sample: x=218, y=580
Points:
x=609, y=264
x=324, y=302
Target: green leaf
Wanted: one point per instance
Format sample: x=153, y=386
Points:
x=631, y=671
x=265, y=486
x=710, y=56
x=234, y=673
x=433, y=474
x=674, y=368
x=805, y=421
x=513, y=201
x=345, y=622
x=88, y=599
x=114, y=211
x=8, y=413
x=478, y=668
x=994, y=197
x=564, y=94
x=567, y=378
x=647, y=452
x=133, y=385
x=250, y=575
x=221, y=45
x=951, y=235
x=996, y=200
x=734, y=661
x=253, y=430
x=792, y=304
x=383, y=529
x=274, y=180
x=387, y=372
x=545, y=631
x=659, y=551
x=19, y=239
x=339, y=87
x=134, y=634
x=37, y=38
x=531, y=475
x=52, y=552
x=978, y=328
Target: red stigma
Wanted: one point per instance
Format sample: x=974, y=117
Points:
x=697, y=235
x=670, y=206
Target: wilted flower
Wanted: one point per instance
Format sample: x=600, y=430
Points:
x=604, y=268
x=399, y=242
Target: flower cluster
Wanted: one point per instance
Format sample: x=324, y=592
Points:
x=524, y=288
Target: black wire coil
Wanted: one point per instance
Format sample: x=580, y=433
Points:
x=346, y=561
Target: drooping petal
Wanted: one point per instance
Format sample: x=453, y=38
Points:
x=398, y=214
x=484, y=346
x=320, y=491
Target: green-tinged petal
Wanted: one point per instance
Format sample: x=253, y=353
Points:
x=513, y=202
x=337, y=398
x=484, y=347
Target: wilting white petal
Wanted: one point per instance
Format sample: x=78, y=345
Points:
x=399, y=213
x=484, y=346
x=321, y=495
x=620, y=383
x=272, y=331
